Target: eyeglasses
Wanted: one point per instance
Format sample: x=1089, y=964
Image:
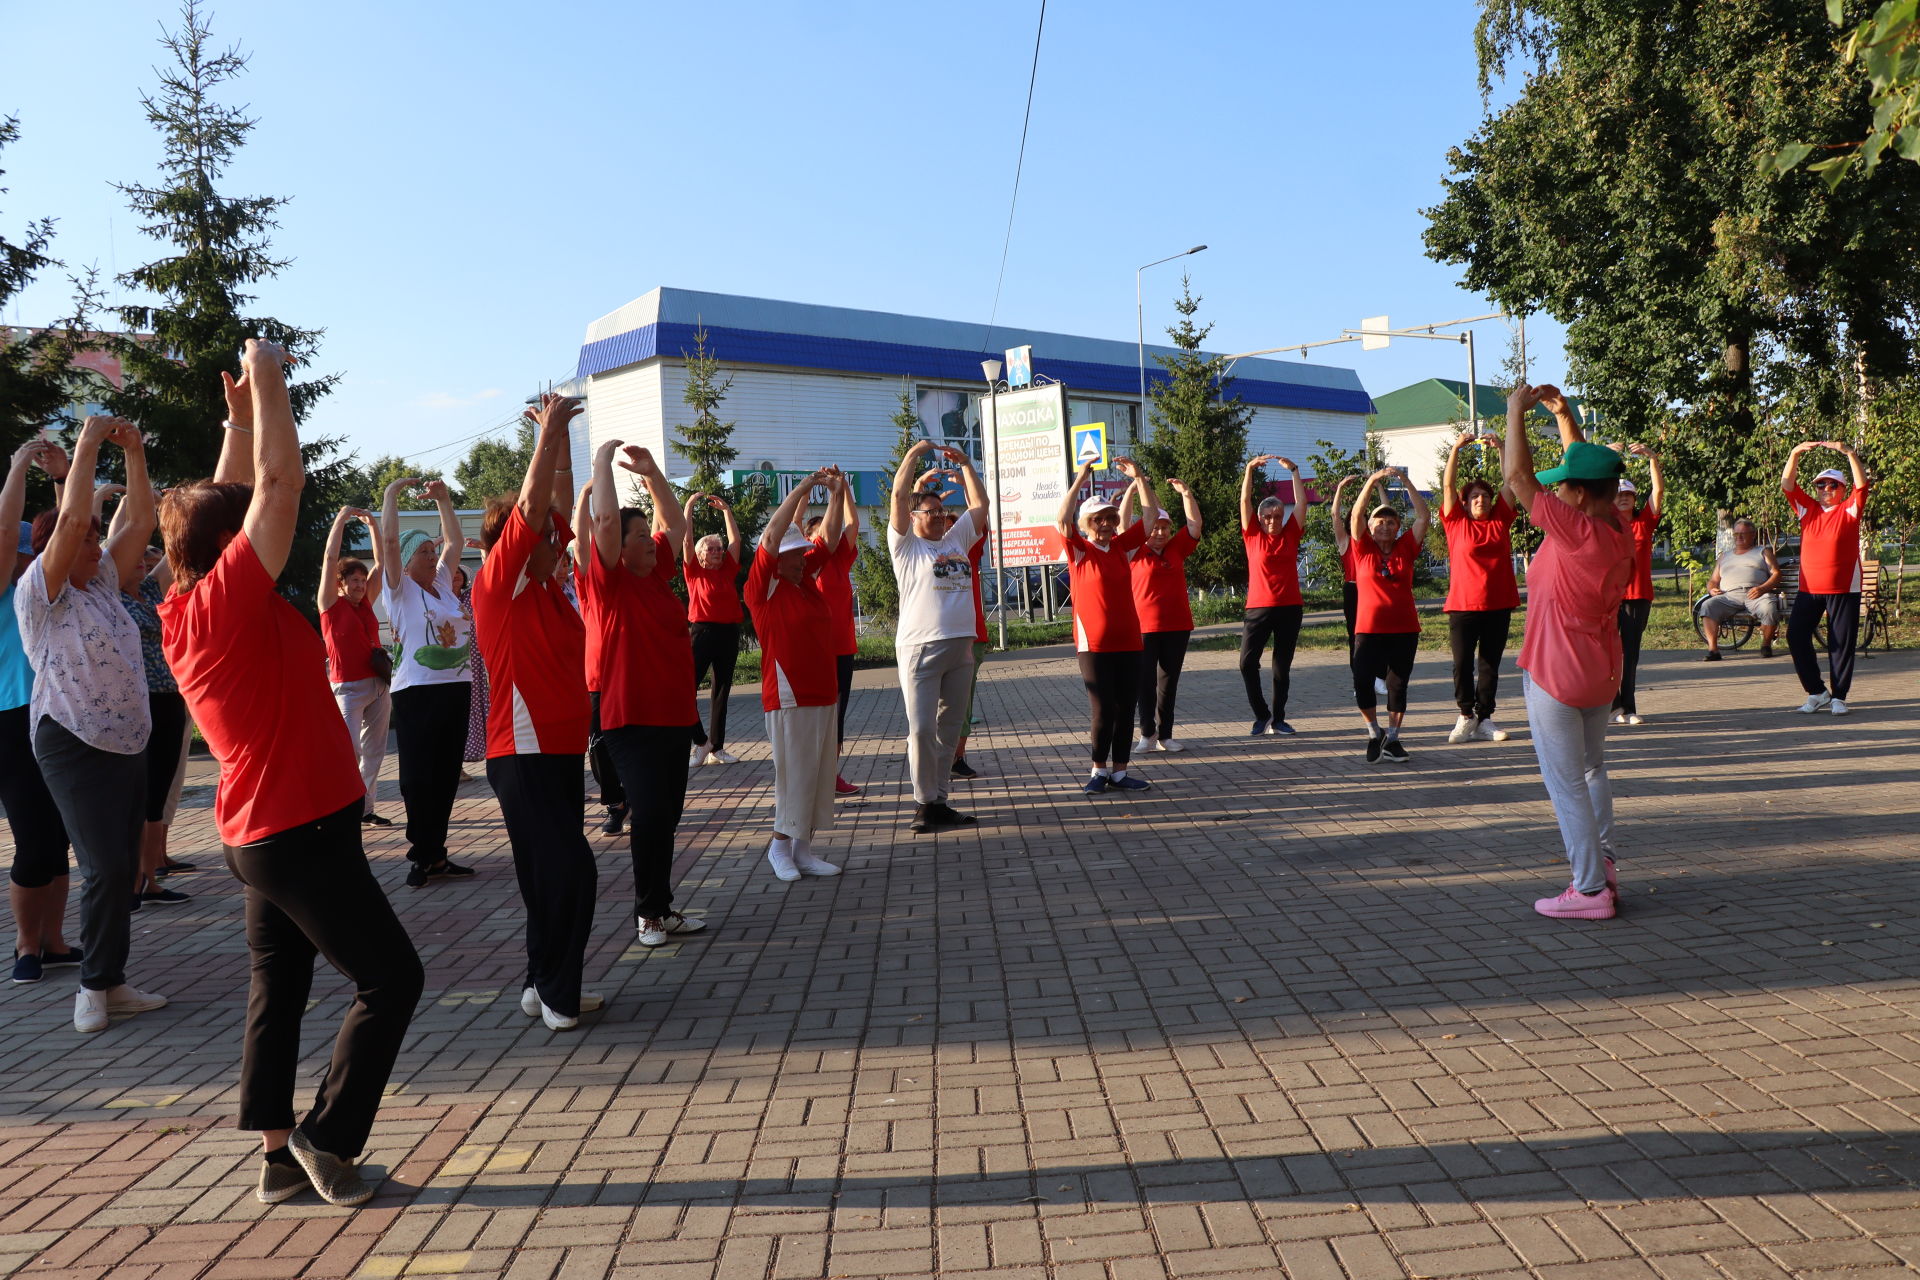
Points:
x=1826, y=484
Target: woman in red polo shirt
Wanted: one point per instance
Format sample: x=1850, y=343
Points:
x=1638, y=604
x=798, y=688
x=351, y=630
x=1829, y=574
x=647, y=710
x=288, y=808
x=1481, y=592
x=711, y=567
x=1106, y=629
x=534, y=645
x=1387, y=627
x=1166, y=617
x=1271, y=532
x=832, y=564
x=1343, y=547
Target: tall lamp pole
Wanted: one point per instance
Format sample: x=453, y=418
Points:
x=1140, y=323
x=990, y=369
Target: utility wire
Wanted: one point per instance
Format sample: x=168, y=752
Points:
x=1018, y=164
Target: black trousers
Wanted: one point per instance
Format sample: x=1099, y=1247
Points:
x=164, y=744
x=604, y=775
x=309, y=891
x=1633, y=625
x=1281, y=625
x=843, y=672
x=1383, y=657
x=1350, y=608
x=543, y=801
x=1843, y=628
x=431, y=723
x=716, y=647
x=39, y=836
x=1113, y=682
x=1162, y=655
x=1479, y=638
x=652, y=763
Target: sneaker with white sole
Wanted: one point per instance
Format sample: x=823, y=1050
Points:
x=723, y=757
x=1633, y=717
x=89, y=1011
x=780, y=858
x=1394, y=752
x=1172, y=744
x=1463, y=730
x=531, y=1006
x=1815, y=702
x=696, y=757
x=1145, y=744
x=1572, y=904
x=1379, y=687
x=125, y=999
x=1618, y=717
x=808, y=864
x=655, y=932
x=1488, y=731
x=337, y=1181
x=1839, y=708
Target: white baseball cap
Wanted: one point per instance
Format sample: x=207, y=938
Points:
x=1832, y=473
x=1628, y=486
x=1095, y=507
x=793, y=540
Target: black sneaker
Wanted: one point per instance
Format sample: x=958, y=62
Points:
x=1394, y=751
x=1373, y=748
x=173, y=866
x=335, y=1179
x=27, y=967
x=163, y=897
x=62, y=959
x=448, y=869
x=374, y=820
x=616, y=819
x=961, y=769
x=416, y=875
x=936, y=816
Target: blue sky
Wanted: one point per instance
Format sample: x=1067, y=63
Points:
x=473, y=183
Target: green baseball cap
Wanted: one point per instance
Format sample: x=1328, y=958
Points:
x=1585, y=461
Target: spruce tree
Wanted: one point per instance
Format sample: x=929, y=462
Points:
x=873, y=572
x=706, y=443
x=1198, y=433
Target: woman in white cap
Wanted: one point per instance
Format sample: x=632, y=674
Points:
x=432, y=674
x=1166, y=617
x=1638, y=604
x=1387, y=628
x=1829, y=574
x=1106, y=628
x=1570, y=654
x=799, y=688
x=1481, y=592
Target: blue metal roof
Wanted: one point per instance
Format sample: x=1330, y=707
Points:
x=760, y=331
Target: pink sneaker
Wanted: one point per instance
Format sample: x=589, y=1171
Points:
x=1574, y=905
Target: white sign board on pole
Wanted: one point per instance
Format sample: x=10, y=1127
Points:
x=1031, y=469
x=1373, y=333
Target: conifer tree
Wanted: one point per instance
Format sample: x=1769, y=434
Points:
x=873, y=576
x=706, y=442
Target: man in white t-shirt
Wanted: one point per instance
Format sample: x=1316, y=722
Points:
x=934, y=640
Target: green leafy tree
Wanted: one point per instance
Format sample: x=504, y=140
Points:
x=365, y=486
x=1713, y=310
x=873, y=576
x=1328, y=465
x=1887, y=47
x=1198, y=433
x=495, y=466
x=706, y=443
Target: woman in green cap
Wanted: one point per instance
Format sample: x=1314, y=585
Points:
x=1571, y=652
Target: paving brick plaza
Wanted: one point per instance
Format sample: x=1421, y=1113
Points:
x=1286, y=1014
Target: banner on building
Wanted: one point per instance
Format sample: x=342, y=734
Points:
x=1030, y=464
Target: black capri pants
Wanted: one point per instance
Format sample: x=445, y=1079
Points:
x=430, y=722
x=1162, y=655
x=164, y=745
x=1113, y=683
x=1386, y=657
x=39, y=836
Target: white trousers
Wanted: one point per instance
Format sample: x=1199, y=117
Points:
x=805, y=761
x=366, y=705
x=1571, y=743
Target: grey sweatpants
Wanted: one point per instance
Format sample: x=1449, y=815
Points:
x=102, y=798
x=1571, y=743
x=935, y=681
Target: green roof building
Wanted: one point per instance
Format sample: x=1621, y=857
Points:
x=1416, y=422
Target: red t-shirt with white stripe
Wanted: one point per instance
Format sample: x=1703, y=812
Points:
x=591, y=617
x=535, y=646
x=796, y=637
x=834, y=569
x=1829, y=542
x=646, y=656
x=1104, y=619
x=1160, y=583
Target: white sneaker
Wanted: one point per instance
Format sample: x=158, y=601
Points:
x=531, y=1006
x=557, y=1021
x=1815, y=702
x=1145, y=744
x=1463, y=729
x=1171, y=744
x=1379, y=687
x=723, y=757
x=1618, y=717
x=1838, y=707
x=1634, y=718
x=126, y=999
x=697, y=757
x=654, y=933
x=807, y=864
x=781, y=860
x=89, y=1011
x=1488, y=731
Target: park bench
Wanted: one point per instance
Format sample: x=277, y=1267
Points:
x=1738, y=629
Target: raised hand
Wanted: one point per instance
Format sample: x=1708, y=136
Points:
x=473, y=544
x=1524, y=397
x=1285, y=462
x=102, y=492
x=557, y=411
x=126, y=435
x=1179, y=487
x=1639, y=450
x=52, y=459
x=402, y=482
x=920, y=448
x=262, y=354
x=1260, y=460
x=436, y=491
x=718, y=503
x=639, y=461
x=952, y=454
x=1549, y=397
x=1127, y=467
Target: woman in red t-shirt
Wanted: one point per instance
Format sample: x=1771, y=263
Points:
x=290, y=798
x=711, y=567
x=1638, y=605
x=1271, y=532
x=798, y=689
x=1166, y=617
x=351, y=630
x=1388, y=626
x=1481, y=591
x=1343, y=547
x=1106, y=628
x=832, y=565
x=647, y=708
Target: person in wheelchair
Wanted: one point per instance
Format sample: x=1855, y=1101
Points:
x=1746, y=578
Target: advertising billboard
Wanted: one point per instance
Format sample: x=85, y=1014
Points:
x=1030, y=468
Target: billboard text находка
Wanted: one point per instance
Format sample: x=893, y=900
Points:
x=1031, y=471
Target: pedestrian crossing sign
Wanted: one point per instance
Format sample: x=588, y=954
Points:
x=1090, y=445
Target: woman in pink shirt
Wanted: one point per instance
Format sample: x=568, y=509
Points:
x=1571, y=652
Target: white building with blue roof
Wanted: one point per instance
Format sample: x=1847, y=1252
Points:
x=813, y=385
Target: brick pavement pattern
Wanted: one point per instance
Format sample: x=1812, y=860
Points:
x=1285, y=1014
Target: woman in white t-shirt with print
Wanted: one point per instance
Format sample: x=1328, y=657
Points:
x=432, y=674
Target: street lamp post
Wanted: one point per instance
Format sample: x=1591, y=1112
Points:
x=990, y=369
x=1140, y=323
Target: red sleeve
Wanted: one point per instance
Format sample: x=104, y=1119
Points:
x=1409, y=544
x=664, y=564
x=1184, y=541
x=1131, y=537
x=508, y=558
x=759, y=576
x=1803, y=506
